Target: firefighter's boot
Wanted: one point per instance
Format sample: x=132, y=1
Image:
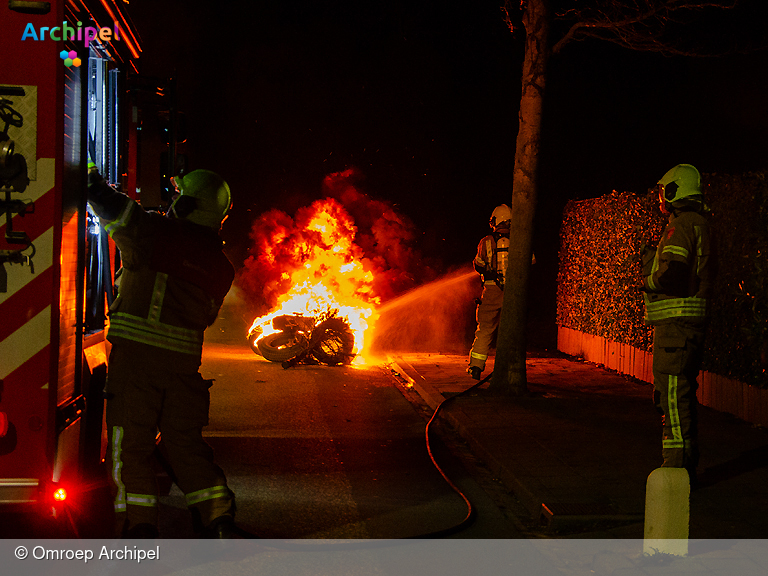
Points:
x=143, y=531
x=222, y=528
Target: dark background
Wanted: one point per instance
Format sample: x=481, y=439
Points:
x=422, y=98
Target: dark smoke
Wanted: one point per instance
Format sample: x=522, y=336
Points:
x=387, y=238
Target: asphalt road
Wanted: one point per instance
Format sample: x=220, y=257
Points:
x=326, y=452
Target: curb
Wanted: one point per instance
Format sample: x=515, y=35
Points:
x=548, y=514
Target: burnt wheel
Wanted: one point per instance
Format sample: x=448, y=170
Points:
x=252, y=339
x=332, y=342
x=281, y=346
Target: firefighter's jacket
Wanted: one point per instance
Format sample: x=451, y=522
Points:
x=677, y=281
x=174, y=280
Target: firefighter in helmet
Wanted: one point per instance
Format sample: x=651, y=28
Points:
x=174, y=279
x=677, y=284
x=491, y=263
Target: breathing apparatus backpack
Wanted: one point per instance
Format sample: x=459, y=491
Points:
x=497, y=250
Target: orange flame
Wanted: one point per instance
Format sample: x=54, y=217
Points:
x=328, y=272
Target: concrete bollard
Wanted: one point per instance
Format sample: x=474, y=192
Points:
x=667, y=512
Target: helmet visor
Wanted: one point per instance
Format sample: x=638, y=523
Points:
x=660, y=188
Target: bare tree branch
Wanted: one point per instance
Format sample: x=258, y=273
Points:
x=506, y=9
x=638, y=25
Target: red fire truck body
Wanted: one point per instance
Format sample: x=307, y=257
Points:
x=57, y=113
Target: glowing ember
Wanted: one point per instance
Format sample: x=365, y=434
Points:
x=322, y=268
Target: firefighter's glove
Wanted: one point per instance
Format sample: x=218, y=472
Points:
x=490, y=276
x=98, y=188
x=105, y=200
x=94, y=178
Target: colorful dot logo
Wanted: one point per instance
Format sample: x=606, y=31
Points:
x=70, y=58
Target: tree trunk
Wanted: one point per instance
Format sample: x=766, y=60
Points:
x=509, y=376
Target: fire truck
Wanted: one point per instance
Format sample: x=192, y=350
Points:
x=70, y=94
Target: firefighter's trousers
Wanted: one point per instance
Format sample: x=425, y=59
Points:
x=677, y=355
x=488, y=315
x=141, y=401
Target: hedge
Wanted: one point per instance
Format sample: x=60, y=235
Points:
x=600, y=273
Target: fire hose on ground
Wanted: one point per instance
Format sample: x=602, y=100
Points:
x=471, y=513
x=463, y=525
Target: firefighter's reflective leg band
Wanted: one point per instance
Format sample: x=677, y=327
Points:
x=670, y=355
x=141, y=500
x=123, y=498
x=117, y=465
x=207, y=494
x=487, y=315
x=673, y=446
x=211, y=503
x=674, y=415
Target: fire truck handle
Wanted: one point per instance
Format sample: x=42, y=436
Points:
x=10, y=116
x=20, y=207
x=28, y=259
x=17, y=257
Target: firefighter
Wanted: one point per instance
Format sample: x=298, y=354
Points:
x=676, y=285
x=174, y=279
x=491, y=263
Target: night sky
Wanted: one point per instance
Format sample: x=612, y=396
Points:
x=422, y=98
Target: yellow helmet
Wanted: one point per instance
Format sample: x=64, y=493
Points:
x=501, y=214
x=204, y=198
x=683, y=181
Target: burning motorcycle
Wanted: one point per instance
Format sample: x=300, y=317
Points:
x=305, y=339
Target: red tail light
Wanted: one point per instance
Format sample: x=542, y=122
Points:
x=3, y=424
x=59, y=494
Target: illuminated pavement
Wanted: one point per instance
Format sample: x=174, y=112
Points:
x=578, y=450
x=324, y=452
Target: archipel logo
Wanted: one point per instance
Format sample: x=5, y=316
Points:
x=70, y=58
x=67, y=32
